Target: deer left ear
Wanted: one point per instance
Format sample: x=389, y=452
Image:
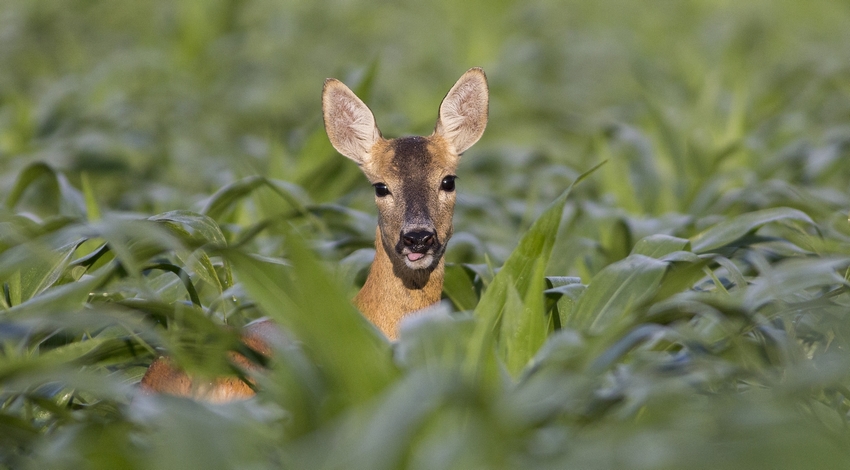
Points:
x=463, y=112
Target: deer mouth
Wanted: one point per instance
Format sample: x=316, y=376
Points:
x=419, y=250
x=415, y=259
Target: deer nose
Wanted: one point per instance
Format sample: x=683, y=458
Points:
x=418, y=239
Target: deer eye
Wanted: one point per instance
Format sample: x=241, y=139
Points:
x=381, y=189
x=448, y=184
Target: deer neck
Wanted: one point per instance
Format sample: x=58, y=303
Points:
x=393, y=291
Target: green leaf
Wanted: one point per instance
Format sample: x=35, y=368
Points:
x=304, y=300
x=92, y=208
x=66, y=297
x=787, y=279
x=616, y=291
x=458, y=286
x=69, y=201
x=525, y=324
x=38, y=265
x=658, y=246
x=25, y=178
x=181, y=274
x=684, y=269
x=433, y=340
x=219, y=203
x=519, y=272
x=135, y=242
x=197, y=230
x=193, y=228
x=225, y=197
x=731, y=230
x=381, y=435
x=562, y=293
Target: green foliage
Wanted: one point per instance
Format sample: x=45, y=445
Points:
x=166, y=180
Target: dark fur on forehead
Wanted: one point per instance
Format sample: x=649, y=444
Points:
x=411, y=152
x=412, y=157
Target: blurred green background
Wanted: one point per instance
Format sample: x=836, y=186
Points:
x=696, y=285
x=162, y=103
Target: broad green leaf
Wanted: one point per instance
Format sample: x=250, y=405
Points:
x=484, y=272
x=518, y=271
x=730, y=230
x=38, y=265
x=732, y=271
x=67, y=297
x=304, y=300
x=181, y=274
x=366, y=84
x=615, y=291
x=562, y=293
x=512, y=313
x=624, y=344
x=684, y=270
x=458, y=286
x=76, y=351
x=92, y=208
x=524, y=324
x=70, y=202
x=197, y=230
x=659, y=246
x=225, y=198
x=12, y=289
x=42, y=273
x=193, y=228
x=380, y=436
x=357, y=263
x=25, y=179
x=788, y=279
x=135, y=242
x=435, y=339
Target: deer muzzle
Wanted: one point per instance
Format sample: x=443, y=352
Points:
x=419, y=247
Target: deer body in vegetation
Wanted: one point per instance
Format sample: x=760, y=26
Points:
x=414, y=181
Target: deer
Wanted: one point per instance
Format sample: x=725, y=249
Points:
x=414, y=182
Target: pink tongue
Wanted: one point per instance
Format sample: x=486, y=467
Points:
x=415, y=256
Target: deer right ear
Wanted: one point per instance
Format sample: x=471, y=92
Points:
x=463, y=112
x=349, y=123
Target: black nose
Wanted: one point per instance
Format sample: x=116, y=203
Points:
x=420, y=239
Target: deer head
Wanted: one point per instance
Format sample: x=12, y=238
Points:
x=413, y=177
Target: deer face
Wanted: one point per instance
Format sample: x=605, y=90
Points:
x=415, y=194
x=414, y=177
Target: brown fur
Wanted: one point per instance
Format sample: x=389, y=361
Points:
x=164, y=377
x=407, y=273
x=410, y=294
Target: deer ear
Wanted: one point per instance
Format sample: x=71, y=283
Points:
x=349, y=123
x=463, y=112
